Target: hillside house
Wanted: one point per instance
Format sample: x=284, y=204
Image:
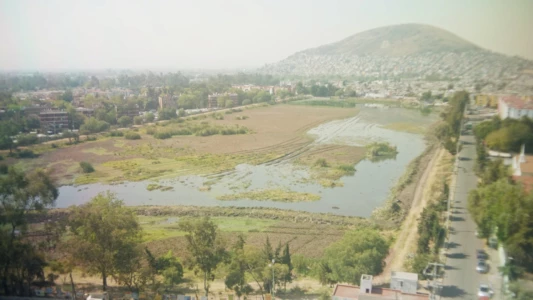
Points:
x=515, y=107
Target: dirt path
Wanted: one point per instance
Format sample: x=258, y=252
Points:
x=406, y=238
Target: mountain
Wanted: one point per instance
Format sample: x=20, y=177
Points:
x=403, y=51
x=398, y=40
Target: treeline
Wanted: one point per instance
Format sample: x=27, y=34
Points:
x=449, y=129
x=506, y=135
x=104, y=238
x=503, y=208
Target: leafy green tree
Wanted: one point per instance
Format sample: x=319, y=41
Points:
x=206, y=248
x=358, y=252
x=181, y=113
x=22, y=195
x=149, y=117
x=67, y=96
x=138, y=120
x=167, y=114
x=92, y=126
x=262, y=96
x=8, y=129
x=171, y=269
x=104, y=231
x=228, y=104
x=124, y=121
x=246, y=102
x=236, y=277
x=32, y=122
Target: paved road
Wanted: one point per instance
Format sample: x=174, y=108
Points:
x=461, y=280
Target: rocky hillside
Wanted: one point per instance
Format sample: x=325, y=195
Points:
x=408, y=50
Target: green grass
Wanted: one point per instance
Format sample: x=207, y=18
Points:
x=407, y=127
x=159, y=228
x=279, y=195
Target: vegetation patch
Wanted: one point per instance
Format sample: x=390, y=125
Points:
x=406, y=127
x=131, y=135
x=279, y=195
x=155, y=186
x=86, y=167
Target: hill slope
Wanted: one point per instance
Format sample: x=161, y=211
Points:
x=397, y=40
x=406, y=51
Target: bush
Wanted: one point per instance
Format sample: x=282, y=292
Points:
x=162, y=135
x=25, y=153
x=86, y=167
x=217, y=116
x=130, y=135
x=1, y=157
x=27, y=139
x=149, y=117
x=151, y=130
x=246, y=102
x=124, y=121
x=3, y=169
x=241, y=117
x=138, y=120
x=321, y=163
x=53, y=145
x=115, y=133
x=91, y=138
x=346, y=168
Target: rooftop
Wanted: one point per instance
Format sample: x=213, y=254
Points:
x=518, y=102
x=353, y=292
x=405, y=275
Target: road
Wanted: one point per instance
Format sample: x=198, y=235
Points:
x=461, y=280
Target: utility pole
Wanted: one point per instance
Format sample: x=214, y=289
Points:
x=433, y=285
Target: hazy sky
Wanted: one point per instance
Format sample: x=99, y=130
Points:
x=95, y=34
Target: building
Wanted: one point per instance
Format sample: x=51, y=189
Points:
x=85, y=111
x=54, y=120
x=486, y=100
x=515, y=107
x=167, y=101
x=367, y=292
x=405, y=282
x=212, y=100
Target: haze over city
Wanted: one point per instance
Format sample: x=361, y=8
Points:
x=64, y=35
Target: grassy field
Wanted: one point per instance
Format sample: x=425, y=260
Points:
x=280, y=195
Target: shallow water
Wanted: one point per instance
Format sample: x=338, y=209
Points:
x=359, y=196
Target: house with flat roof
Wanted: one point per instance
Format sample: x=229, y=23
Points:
x=368, y=292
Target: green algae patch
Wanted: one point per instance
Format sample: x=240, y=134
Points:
x=279, y=195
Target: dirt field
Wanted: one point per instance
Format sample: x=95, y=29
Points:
x=276, y=131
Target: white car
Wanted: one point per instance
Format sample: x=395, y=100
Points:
x=484, y=291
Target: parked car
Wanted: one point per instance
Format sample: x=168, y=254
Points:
x=482, y=267
x=102, y=296
x=484, y=291
x=481, y=254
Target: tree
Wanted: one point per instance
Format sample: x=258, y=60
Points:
x=22, y=195
x=171, y=269
x=138, y=120
x=8, y=129
x=67, y=96
x=181, y=113
x=92, y=126
x=167, y=114
x=104, y=232
x=206, y=247
x=236, y=278
x=124, y=121
x=358, y=252
x=229, y=103
x=32, y=122
x=149, y=117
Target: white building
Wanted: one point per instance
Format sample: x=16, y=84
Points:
x=405, y=282
x=515, y=107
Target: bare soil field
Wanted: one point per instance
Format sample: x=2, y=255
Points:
x=275, y=131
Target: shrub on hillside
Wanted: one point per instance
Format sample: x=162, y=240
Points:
x=151, y=130
x=3, y=169
x=86, y=167
x=321, y=163
x=130, y=135
x=27, y=139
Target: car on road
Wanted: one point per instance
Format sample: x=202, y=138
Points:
x=484, y=290
x=481, y=254
x=482, y=267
